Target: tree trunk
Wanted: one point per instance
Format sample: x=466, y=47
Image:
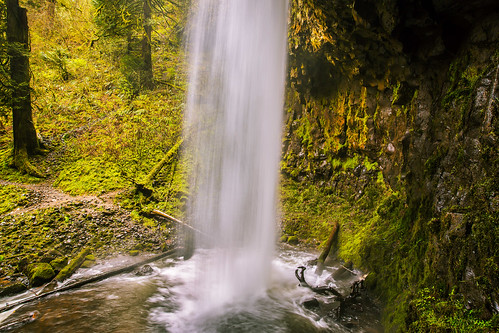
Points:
x=50, y=6
x=146, y=76
x=25, y=139
x=322, y=258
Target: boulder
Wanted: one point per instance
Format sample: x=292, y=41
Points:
x=40, y=273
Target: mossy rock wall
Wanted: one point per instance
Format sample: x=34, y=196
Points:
x=405, y=95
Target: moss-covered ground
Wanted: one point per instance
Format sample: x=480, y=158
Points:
x=103, y=133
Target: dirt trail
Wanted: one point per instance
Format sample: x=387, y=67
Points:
x=44, y=195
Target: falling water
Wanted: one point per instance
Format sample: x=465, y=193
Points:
x=234, y=114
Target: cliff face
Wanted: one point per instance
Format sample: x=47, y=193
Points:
x=411, y=88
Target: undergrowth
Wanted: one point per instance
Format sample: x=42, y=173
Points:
x=103, y=133
x=430, y=311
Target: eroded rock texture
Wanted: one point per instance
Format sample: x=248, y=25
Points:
x=413, y=87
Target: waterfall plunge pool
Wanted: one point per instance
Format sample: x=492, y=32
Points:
x=166, y=300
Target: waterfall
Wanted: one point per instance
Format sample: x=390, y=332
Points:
x=237, y=57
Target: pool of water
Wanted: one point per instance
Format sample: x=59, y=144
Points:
x=167, y=300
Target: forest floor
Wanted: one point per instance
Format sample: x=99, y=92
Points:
x=44, y=195
x=40, y=223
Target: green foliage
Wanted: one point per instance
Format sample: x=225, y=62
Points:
x=58, y=57
x=131, y=24
x=431, y=312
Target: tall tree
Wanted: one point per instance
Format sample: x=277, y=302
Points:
x=25, y=138
x=4, y=71
x=132, y=19
x=147, y=78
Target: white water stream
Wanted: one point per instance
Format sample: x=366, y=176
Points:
x=166, y=301
x=237, y=54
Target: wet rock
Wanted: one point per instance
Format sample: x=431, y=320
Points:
x=296, y=323
x=457, y=225
x=11, y=288
x=311, y=304
x=144, y=270
x=293, y=240
x=331, y=309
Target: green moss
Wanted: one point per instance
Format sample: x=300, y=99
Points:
x=73, y=265
x=59, y=263
x=293, y=240
x=429, y=311
x=89, y=176
x=336, y=163
x=40, y=273
x=351, y=163
x=370, y=166
x=308, y=211
x=12, y=197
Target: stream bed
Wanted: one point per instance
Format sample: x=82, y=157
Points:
x=165, y=299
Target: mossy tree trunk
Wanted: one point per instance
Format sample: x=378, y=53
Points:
x=147, y=76
x=51, y=10
x=25, y=138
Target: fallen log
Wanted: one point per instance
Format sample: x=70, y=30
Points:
x=93, y=279
x=327, y=249
x=73, y=265
x=141, y=186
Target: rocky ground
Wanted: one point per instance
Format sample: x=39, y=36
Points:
x=44, y=229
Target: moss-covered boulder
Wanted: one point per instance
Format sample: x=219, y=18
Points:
x=11, y=288
x=59, y=263
x=293, y=240
x=89, y=261
x=40, y=273
x=134, y=253
x=50, y=256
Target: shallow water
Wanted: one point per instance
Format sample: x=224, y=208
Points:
x=167, y=301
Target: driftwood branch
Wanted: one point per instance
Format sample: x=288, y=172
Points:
x=171, y=218
x=340, y=300
x=327, y=249
x=93, y=279
x=325, y=290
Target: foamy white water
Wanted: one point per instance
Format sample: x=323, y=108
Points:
x=237, y=53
